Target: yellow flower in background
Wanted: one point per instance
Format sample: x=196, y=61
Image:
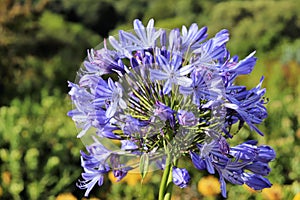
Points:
x=6, y=177
x=1, y=191
x=209, y=186
x=66, y=196
x=297, y=196
x=133, y=178
x=273, y=193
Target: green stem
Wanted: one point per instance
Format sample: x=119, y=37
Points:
x=168, y=193
x=165, y=178
x=169, y=189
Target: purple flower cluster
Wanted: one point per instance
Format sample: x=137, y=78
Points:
x=168, y=94
x=242, y=164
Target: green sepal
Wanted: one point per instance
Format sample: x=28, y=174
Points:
x=144, y=165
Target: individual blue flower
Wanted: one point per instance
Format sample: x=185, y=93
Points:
x=120, y=174
x=201, y=87
x=258, y=167
x=91, y=177
x=234, y=67
x=94, y=165
x=199, y=162
x=192, y=37
x=97, y=155
x=245, y=151
x=145, y=38
x=265, y=154
x=181, y=177
x=186, y=118
x=84, y=114
x=211, y=51
x=100, y=62
x=80, y=97
x=175, y=42
x=106, y=130
x=172, y=72
x=249, y=106
x=134, y=126
x=82, y=120
x=109, y=94
x=224, y=146
x=101, y=117
x=119, y=169
x=165, y=113
x=255, y=181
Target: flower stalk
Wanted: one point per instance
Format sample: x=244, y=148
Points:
x=169, y=188
x=164, y=189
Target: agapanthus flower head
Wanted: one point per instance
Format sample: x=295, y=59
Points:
x=165, y=94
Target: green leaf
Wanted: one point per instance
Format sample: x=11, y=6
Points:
x=144, y=165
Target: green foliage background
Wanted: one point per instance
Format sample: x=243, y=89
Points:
x=43, y=42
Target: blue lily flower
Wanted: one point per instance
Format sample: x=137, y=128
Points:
x=169, y=95
x=172, y=72
x=109, y=94
x=181, y=177
x=192, y=37
x=235, y=170
x=186, y=118
x=91, y=177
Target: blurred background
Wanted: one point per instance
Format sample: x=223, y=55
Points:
x=42, y=44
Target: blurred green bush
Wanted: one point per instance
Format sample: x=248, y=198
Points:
x=38, y=49
x=39, y=154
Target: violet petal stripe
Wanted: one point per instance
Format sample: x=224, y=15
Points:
x=140, y=29
x=158, y=75
x=186, y=70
